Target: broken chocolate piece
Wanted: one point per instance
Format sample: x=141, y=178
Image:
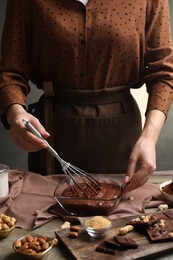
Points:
x=168, y=213
x=132, y=243
x=104, y=249
x=111, y=243
x=126, y=243
x=144, y=220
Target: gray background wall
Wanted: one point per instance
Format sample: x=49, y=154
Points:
x=16, y=158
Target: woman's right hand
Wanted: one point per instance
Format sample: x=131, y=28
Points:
x=19, y=133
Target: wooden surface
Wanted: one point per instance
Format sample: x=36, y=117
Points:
x=60, y=253
x=84, y=246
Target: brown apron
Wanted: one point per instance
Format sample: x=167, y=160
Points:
x=94, y=130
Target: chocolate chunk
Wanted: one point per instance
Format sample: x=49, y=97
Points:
x=168, y=213
x=144, y=220
x=126, y=243
x=110, y=251
x=162, y=216
x=104, y=249
x=111, y=243
x=121, y=241
x=132, y=243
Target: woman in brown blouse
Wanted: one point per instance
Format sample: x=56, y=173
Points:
x=86, y=58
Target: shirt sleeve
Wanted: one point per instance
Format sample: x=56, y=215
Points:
x=14, y=63
x=158, y=74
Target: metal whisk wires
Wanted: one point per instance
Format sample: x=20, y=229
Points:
x=82, y=183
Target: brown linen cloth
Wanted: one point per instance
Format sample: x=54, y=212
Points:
x=30, y=192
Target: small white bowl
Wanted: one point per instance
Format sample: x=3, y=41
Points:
x=97, y=232
x=168, y=196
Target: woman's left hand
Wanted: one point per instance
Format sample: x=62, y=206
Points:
x=142, y=163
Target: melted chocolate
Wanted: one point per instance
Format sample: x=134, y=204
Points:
x=168, y=188
x=100, y=203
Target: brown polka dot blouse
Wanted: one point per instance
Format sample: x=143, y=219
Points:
x=101, y=45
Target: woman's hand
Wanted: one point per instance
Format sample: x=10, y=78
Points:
x=142, y=161
x=18, y=132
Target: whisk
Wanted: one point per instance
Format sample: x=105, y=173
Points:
x=76, y=177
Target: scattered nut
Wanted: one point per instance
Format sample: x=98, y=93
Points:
x=75, y=228
x=162, y=207
x=126, y=229
x=130, y=198
x=136, y=219
x=73, y=234
x=55, y=242
x=36, y=212
x=65, y=225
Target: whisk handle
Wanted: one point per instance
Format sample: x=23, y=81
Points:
x=34, y=131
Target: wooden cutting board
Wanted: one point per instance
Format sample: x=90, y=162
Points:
x=83, y=247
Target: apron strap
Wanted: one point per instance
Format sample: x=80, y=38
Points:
x=48, y=118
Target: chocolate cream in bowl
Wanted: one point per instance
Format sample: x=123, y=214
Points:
x=168, y=188
x=94, y=204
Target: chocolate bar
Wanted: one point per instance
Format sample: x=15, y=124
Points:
x=168, y=214
x=126, y=242
x=162, y=231
x=104, y=249
x=114, y=244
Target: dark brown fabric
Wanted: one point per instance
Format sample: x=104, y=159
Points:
x=48, y=124
x=93, y=136
x=43, y=161
x=103, y=45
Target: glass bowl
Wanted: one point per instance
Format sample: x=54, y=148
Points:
x=166, y=188
x=97, y=226
x=39, y=252
x=94, y=204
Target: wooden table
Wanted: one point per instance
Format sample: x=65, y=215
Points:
x=59, y=253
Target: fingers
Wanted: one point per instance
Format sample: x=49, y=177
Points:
x=24, y=138
x=35, y=122
x=139, y=177
x=131, y=169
